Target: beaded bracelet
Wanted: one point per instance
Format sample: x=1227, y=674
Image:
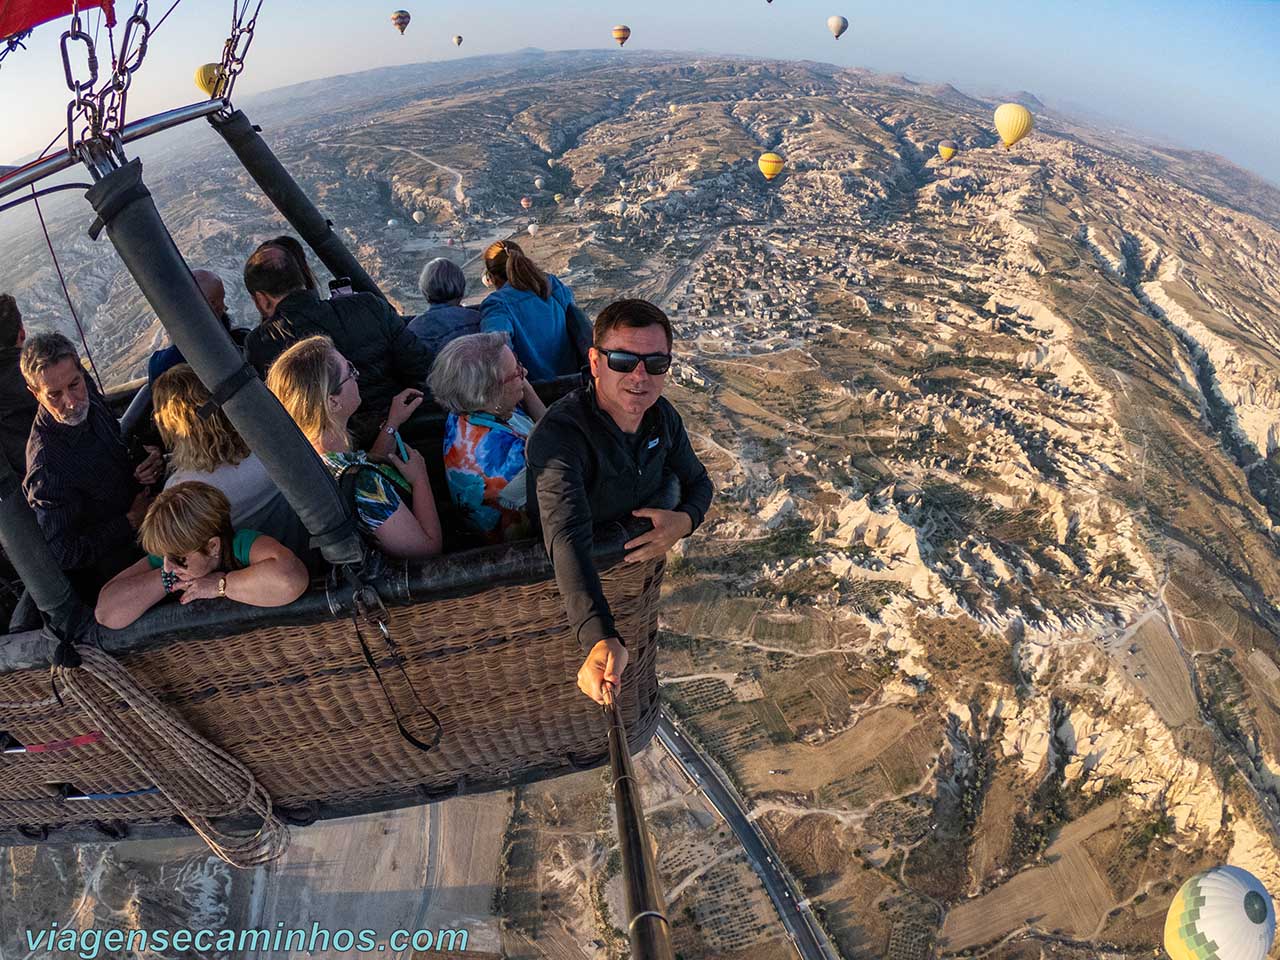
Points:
x=168, y=580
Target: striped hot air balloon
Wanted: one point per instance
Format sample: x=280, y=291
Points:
x=947, y=149
x=400, y=19
x=770, y=165
x=1220, y=914
x=622, y=34
x=1013, y=122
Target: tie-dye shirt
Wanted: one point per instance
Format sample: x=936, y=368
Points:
x=484, y=462
x=379, y=489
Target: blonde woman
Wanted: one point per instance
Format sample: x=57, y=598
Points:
x=205, y=447
x=393, y=499
x=195, y=552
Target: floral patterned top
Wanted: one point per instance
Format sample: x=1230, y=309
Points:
x=379, y=489
x=485, y=466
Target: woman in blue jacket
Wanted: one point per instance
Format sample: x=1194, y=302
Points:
x=535, y=309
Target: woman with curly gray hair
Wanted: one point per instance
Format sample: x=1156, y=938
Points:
x=492, y=408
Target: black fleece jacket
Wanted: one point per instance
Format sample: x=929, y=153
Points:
x=584, y=471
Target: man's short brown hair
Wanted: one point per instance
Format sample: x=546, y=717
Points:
x=635, y=314
x=273, y=270
x=43, y=351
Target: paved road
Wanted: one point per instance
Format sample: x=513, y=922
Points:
x=803, y=930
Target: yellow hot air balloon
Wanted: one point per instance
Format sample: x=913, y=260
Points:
x=947, y=149
x=559, y=198
x=400, y=19
x=1013, y=122
x=209, y=78
x=622, y=34
x=770, y=165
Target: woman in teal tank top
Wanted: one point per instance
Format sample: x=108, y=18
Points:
x=193, y=553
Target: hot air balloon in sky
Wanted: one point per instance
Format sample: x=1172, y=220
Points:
x=1013, y=122
x=578, y=202
x=526, y=202
x=671, y=108
x=947, y=149
x=393, y=223
x=209, y=78
x=837, y=25
x=457, y=39
x=551, y=163
x=1220, y=914
x=419, y=217
x=539, y=183
x=558, y=198
x=622, y=34
x=770, y=165
x=533, y=228
x=400, y=19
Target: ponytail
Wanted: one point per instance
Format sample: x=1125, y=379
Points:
x=506, y=262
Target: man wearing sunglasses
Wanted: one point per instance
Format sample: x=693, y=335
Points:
x=604, y=453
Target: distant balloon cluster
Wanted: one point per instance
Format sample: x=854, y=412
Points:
x=401, y=19
x=1012, y=121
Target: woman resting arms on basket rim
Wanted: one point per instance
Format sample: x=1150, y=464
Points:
x=194, y=552
x=318, y=386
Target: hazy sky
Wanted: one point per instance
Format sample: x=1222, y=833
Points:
x=1194, y=73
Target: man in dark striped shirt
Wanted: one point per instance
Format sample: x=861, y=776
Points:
x=87, y=495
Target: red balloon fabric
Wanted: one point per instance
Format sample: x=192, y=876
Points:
x=19, y=16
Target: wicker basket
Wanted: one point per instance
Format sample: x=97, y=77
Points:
x=483, y=640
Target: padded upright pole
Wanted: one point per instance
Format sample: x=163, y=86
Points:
x=28, y=551
x=139, y=235
x=648, y=928
x=283, y=191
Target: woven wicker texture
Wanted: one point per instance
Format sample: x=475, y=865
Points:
x=300, y=708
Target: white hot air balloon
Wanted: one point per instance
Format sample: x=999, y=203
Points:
x=539, y=182
x=1221, y=914
x=457, y=39
x=419, y=217
x=393, y=222
x=533, y=229
x=551, y=163
x=837, y=25
x=578, y=202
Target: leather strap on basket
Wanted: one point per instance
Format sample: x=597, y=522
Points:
x=368, y=605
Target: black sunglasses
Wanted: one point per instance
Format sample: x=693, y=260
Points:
x=624, y=361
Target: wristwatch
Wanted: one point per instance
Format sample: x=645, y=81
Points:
x=222, y=586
